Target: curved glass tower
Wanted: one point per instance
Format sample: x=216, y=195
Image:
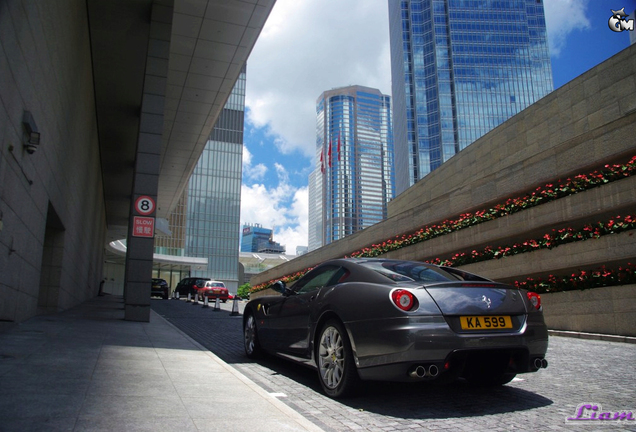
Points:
x=353, y=180
x=460, y=68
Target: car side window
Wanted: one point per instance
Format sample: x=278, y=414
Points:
x=317, y=280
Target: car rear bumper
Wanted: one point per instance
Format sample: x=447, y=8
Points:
x=211, y=295
x=389, y=349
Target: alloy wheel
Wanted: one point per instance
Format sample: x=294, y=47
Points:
x=249, y=334
x=331, y=357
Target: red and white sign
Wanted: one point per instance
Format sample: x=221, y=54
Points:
x=145, y=205
x=143, y=226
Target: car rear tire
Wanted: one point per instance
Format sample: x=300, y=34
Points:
x=336, y=369
x=250, y=337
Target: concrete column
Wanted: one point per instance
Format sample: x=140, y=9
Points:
x=140, y=249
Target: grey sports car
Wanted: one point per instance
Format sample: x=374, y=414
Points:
x=378, y=319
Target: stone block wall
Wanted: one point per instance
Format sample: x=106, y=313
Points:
x=52, y=210
x=607, y=310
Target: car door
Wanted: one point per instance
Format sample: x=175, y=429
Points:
x=290, y=316
x=182, y=287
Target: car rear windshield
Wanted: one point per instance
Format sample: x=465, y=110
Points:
x=215, y=284
x=410, y=272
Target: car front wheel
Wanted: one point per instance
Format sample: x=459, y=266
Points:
x=250, y=337
x=336, y=369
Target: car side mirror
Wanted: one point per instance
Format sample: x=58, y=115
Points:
x=279, y=286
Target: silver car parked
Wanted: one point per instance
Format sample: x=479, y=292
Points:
x=378, y=319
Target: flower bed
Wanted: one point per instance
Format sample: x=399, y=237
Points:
x=600, y=277
x=548, y=241
x=541, y=195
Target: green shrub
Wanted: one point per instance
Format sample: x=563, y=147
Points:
x=244, y=290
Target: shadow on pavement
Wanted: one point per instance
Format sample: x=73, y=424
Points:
x=429, y=401
x=418, y=400
x=222, y=334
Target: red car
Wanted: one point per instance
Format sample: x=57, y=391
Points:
x=212, y=290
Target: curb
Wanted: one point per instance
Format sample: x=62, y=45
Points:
x=293, y=415
x=593, y=336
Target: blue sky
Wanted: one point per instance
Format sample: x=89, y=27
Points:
x=300, y=53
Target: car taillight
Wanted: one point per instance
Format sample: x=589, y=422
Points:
x=403, y=299
x=535, y=299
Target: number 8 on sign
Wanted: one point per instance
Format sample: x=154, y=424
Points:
x=145, y=205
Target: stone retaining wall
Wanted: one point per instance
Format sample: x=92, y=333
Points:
x=607, y=310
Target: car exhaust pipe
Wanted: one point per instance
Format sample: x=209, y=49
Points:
x=540, y=363
x=418, y=372
x=421, y=371
x=433, y=371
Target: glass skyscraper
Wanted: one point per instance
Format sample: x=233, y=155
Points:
x=460, y=68
x=353, y=180
x=206, y=223
x=255, y=238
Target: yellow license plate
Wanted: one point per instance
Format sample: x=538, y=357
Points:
x=485, y=322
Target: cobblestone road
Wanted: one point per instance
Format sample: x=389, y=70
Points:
x=580, y=371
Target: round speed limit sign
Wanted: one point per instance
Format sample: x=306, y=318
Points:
x=145, y=205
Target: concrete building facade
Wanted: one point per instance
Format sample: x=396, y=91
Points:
x=103, y=105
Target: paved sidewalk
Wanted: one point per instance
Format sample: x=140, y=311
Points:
x=593, y=336
x=86, y=369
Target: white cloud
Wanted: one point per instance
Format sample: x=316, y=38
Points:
x=297, y=233
x=253, y=173
x=282, y=208
x=257, y=172
x=563, y=17
x=306, y=48
x=247, y=157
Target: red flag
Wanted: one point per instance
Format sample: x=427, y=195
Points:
x=338, y=145
x=329, y=155
x=322, y=164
